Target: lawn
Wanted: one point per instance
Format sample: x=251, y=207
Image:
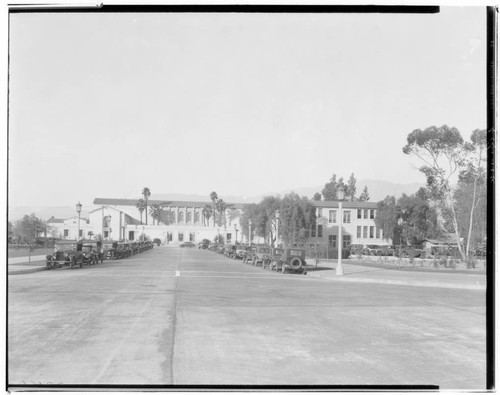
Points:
x=18, y=252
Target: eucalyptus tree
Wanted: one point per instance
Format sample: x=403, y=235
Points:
x=443, y=154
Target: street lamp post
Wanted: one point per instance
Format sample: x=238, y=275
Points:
x=249, y=232
x=339, y=271
x=78, y=210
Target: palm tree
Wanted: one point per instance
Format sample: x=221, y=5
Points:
x=214, y=198
x=146, y=193
x=206, y=213
x=141, y=206
x=155, y=211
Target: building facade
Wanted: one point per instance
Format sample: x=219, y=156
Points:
x=68, y=228
x=357, y=220
x=120, y=219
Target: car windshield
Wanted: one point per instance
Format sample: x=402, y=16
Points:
x=296, y=252
x=64, y=246
x=265, y=250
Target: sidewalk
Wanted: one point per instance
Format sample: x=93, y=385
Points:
x=366, y=274
x=22, y=265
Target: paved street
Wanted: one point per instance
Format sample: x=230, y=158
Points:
x=189, y=316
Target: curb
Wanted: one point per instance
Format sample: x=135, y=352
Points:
x=27, y=271
x=407, y=283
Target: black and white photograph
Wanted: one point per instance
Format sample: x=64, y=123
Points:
x=250, y=197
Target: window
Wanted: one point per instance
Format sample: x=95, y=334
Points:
x=332, y=240
x=372, y=214
x=106, y=234
x=365, y=232
x=346, y=241
x=131, y=235
x=188, y=218
x=191, y=237
x=347, y=217
x=313, y=231
x=358, y=232
x=66, y=232
x=181, y=217
x=365, y=213
x=169, y=236
x=360, y=213
x=80, y=233
x=320, y=230
x=107, y=221
x=180, y=237
x=332, y=216
x=228, y=237
x=372, y=228
x=196, y=217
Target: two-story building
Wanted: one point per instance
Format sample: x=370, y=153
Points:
x=357, y=220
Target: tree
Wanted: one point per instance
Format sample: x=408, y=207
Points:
x=10, y=232
x=443, y=154
x=351, y=188
x=28, y=229
x=297, y=216
x=473, y=180
x=410, y=219
x=317, y=197
x=387, y=218
x=141, y=206
x=365, y=196
x=329, y=191
x=156, y=212
x=146, y=193
x=214, y=198
x=207, y=214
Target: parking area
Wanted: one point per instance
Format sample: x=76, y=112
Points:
x=192, y=317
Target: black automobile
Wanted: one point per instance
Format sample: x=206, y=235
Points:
x=204, y=244
x=188, y=244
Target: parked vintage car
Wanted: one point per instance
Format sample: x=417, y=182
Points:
x=110, y=249
x=276, y=254
x=241, y=251
x=370, y=249
x=96, y=247
x=230, y=250
x=383, y=251
x=262, y=256
x=357, y=249
x=204, y=244
x=292, y=260
x=250, y=252
x=66, y=253
x=408, y=251
x=188, y=244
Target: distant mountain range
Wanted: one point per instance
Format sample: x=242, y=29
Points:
x=377, y=190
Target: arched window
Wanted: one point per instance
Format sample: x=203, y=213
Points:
x=196, y=217
x=188, y=217
x=172, y=218
x=181, y=217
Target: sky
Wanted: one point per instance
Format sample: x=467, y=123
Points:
x=102, y=105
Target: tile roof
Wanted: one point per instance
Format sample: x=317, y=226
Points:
x=345, y=204
x=171, y=203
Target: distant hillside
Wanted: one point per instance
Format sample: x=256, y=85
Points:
x=378, y=190
x=45, y=213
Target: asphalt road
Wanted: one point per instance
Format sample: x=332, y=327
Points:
x=191, y=317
